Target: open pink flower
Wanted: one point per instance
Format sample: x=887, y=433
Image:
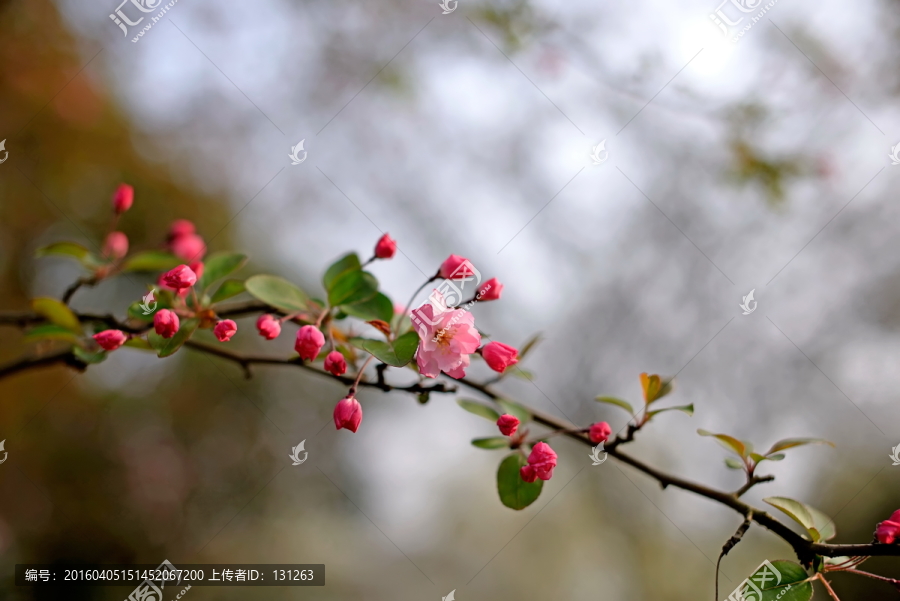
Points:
x=889, y=530
x=540, y=463
x=447, y=339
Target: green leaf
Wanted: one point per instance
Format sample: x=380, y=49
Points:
x=688, y=409
x=71, y=249
x=165, y=347
x=729, y=442
x=819, y=526
x=775, y=457
x=139, y=343
x=277, y=292
x=611, y=400
x=152, y=260
x=51, y=331
x=227, y=289
x=789, y=443
x=56, y=312
x=340, y=267
x=479, y=409
x=220, y=265
x=756, y=457
x=515, y=409
x=494, y=442
x=377, y=307
x=522, y=374
x=397, y=353
x=352, y=287
x=89, y=357
x=514, y=492
x=733, y=463
x=787, y=585
x=532, y=342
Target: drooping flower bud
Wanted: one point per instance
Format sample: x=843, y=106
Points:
x=309, y=342
x=166, y=323
x=348, y=414
x=110, y=340
x=225, y=329
x=508, y=424
x=499, y=356
x=269, y=327
x=335, y=363
x=116, y=245
x=180, y=277
x=386, y=247
x=123, y=198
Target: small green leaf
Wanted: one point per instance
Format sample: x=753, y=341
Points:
x=220, y=265
x=340, y=267
x=526, y=348
x=756, y=457
x=775, y=457
x=377, y=307
x=729, y=442
x=515, y=409
x=397, y=353
x=514, y=492
x=522, y=374
x=494, y=442
x=56, y=312
x=352, y=287
x=165, y=347
x=611, y=400
x=789, y=443
x=227, y=289
x=89, y=357
x=819, y=526
x=479, y=409
x=51, y=331
x=277, y=292
x=733, y=463
x=139, y=343
x=787, y=584
x=71, y=249
x=152, y=260
x=688, y=409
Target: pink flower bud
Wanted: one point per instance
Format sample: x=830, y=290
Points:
x=197, y=267
x=123, y=198
x=180, y=277
x=335, y=363
x=190, y=247
x=110, y=340
x=541, y=462
x=599, y=432
x=269, y=327
x=181, y=227
x=347, y=414
x=386, y=247
x=309, y=342
x=499, y=356
x=889, y=530
x=166, y=323
x=116, y=245
x=225, y=329
x=508, y=424
x=450, y=268
x=490, y=290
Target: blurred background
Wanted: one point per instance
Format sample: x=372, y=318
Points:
x=760, y=165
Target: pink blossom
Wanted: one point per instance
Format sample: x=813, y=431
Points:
x=225, y=329
x=309, y=342
x=189, y=247
x=269, y=327
x=540, y=463
x=123, y=198
x=386, y=247
x=335, y=363
x=889, y=530
x=508, y=424
x=181, y=227
x=450, y=268
x=599, y=432
x=116, y=245
x=446, y=345
x=180, y=277
x=166, y=323
x=499, y=356
x=110, y=340
x=348, y=414
x=490, y=290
